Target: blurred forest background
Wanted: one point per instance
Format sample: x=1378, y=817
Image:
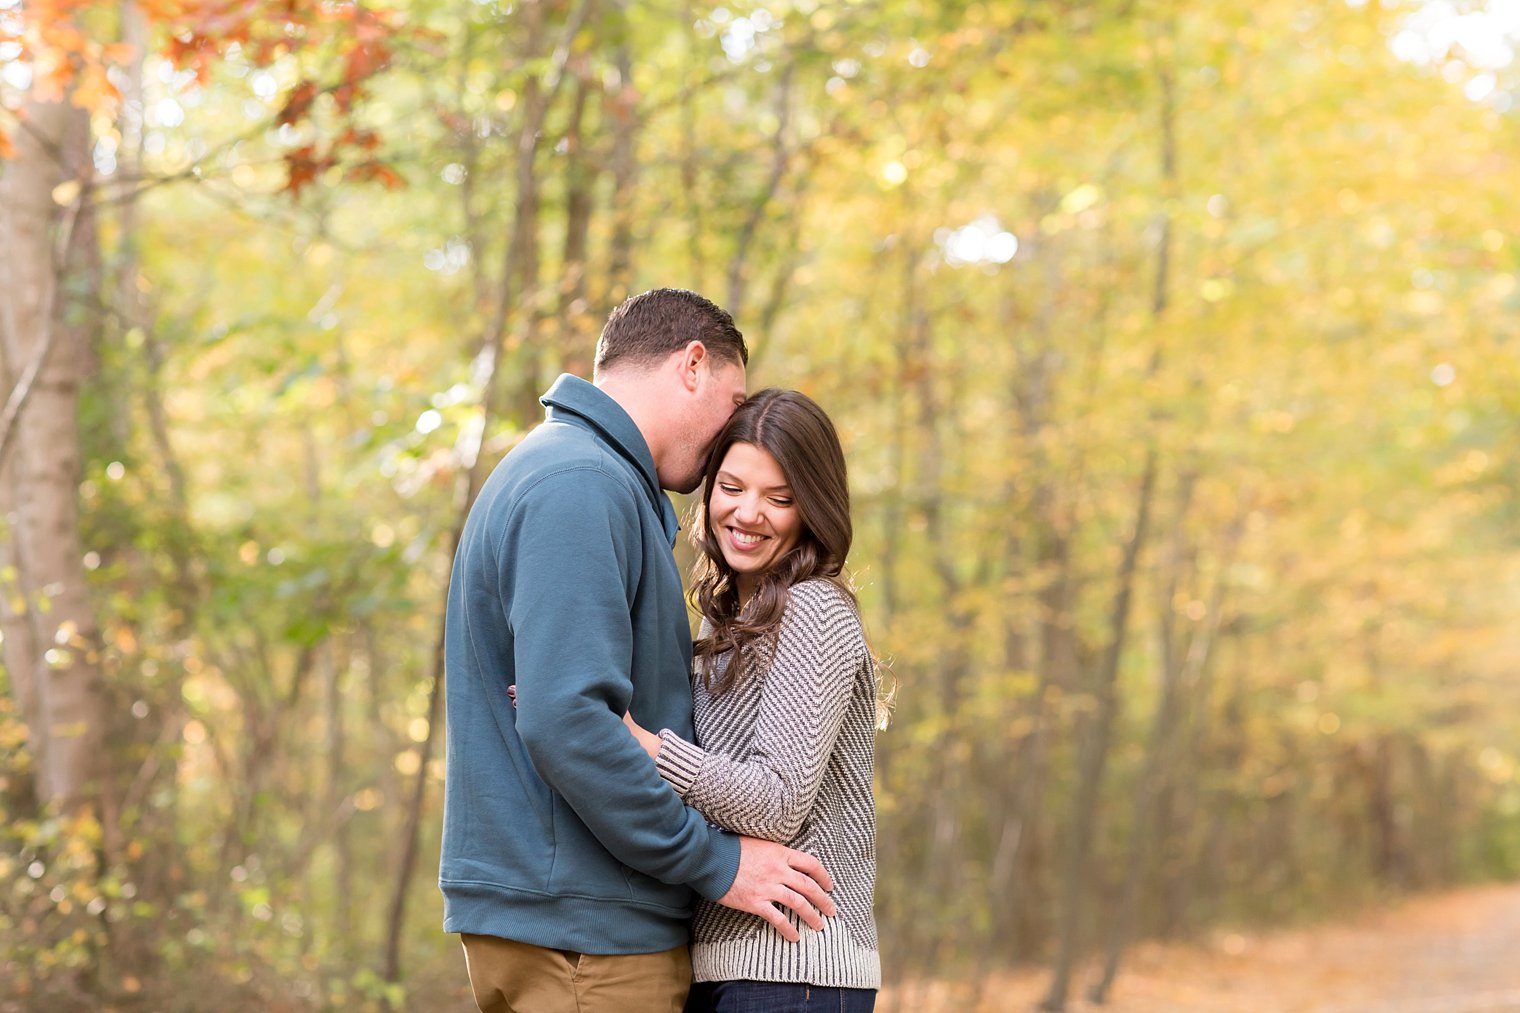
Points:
x=1176, y=348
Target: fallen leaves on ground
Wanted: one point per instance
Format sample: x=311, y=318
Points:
x=1456, y=952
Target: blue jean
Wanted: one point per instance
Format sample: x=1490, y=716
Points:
x=776, y=997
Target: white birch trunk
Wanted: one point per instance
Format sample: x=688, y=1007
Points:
x=51, y=647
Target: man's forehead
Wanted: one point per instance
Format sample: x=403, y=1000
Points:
x=734, y=374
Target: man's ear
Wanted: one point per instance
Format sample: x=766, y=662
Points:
x=693, y=358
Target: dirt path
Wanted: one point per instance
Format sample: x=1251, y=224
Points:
x=1452, y=953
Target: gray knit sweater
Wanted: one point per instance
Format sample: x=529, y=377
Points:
x=786, y=754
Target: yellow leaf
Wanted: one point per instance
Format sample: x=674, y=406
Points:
x=66, y=193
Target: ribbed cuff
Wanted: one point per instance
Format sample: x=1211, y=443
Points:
x=679, y=761
x=717, y=877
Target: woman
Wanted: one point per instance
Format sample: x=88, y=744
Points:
x=785, y=707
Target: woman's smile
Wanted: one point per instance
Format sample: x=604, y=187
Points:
x=744, y=541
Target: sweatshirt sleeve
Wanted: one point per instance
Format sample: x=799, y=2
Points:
x=807, y=690
x=566, y=557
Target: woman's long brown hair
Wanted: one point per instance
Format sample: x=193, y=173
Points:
x=798, y=434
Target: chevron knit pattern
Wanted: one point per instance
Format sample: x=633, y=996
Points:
x=786, y=754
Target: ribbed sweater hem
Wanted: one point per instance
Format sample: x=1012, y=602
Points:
x=829, y=959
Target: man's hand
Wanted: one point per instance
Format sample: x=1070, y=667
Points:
x=772, y=874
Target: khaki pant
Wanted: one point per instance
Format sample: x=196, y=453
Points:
x=513, y=977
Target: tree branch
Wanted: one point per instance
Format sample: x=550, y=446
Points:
x=22, y=391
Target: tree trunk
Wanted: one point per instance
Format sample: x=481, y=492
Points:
x=573, y=336
x=696, y=262
x=57, y=668
x=150, y=805
x=738, y=265
x=623, y=113
x=1093, y=755
x=1050, y=639
x=1158, y=752
x=337, y=810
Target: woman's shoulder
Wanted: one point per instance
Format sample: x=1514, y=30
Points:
x=825, y=607
x=820, y=592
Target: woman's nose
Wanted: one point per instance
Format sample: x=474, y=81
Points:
x=748, y=511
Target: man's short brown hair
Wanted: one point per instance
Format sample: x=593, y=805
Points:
x=650, y=326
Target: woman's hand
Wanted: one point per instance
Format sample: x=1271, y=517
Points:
x=649, y=740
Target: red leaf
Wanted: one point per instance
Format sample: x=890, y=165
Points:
x=366, y=140
x=302, y=167
x=377, y=172
x=298, y=104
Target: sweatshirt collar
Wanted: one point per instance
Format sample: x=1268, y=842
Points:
x=575, y=396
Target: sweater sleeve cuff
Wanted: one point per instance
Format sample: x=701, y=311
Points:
x=679, y=761
x=717, y=877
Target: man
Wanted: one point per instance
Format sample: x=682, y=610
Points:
x=568, y=864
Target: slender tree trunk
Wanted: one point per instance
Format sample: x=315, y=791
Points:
x=150, y=807
x=1156, y=764
x=573, y=337
x=947, y=817
x=1048, y=647
x=340, y=808
x=1093, y=754
x=738, y=265
x=465, y=133
x=1182, y=673
x=622, y=111
x=696, y=263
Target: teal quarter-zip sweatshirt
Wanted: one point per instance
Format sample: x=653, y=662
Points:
x=557, y=829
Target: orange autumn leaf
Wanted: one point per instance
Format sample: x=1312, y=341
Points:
x=118, y=52
x=95, y=90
